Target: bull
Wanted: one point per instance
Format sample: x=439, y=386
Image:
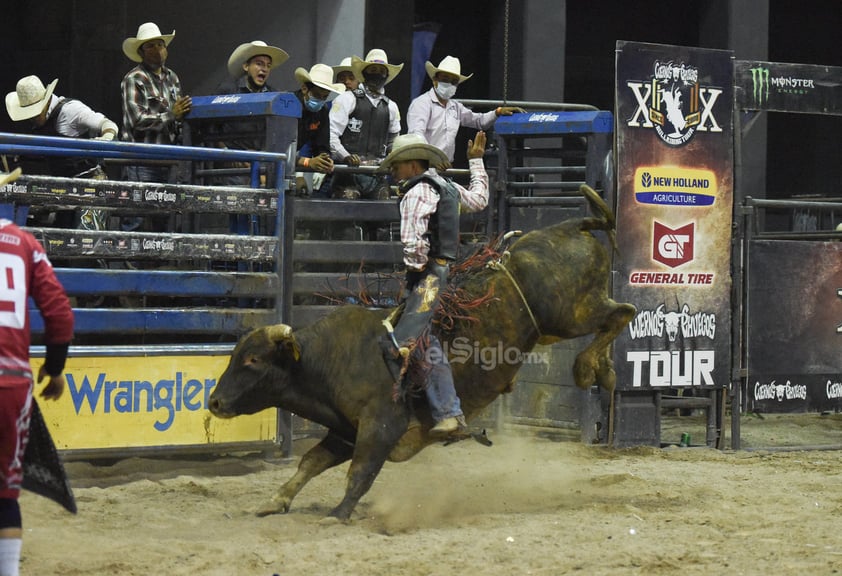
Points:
x=552, y=284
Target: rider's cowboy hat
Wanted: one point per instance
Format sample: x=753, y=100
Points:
x=29, y=98
x=10, y=177
x=145, y=32
x=319, y=75
x=374, y=56
x=412, y=147
x=344, y=66
x=449, y=65
x=245, y=52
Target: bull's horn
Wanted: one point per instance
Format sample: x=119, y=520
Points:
x=279, y=332
x=282, y=334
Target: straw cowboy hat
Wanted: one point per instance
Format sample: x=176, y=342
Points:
x=412, y=147
x=449, y=65
x=29, y=98
x=10, y=177
x=145, y=32
x=344, y=66
x=245, y=52
x=319, y=75
x=374, y=56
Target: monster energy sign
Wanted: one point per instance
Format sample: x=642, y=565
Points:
x=784, y=87
x=760, y=85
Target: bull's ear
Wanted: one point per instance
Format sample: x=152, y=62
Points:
x=282, y=334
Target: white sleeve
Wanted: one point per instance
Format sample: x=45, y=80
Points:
x=340, y=111
x=394, y=118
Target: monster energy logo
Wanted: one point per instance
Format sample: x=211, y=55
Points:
x=760, y=84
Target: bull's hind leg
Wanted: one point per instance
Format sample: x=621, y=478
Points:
x=593, y=364
x=330, y=452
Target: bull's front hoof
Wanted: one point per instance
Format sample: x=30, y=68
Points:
x=341, y=514
x=274, y=506
x=332, y=521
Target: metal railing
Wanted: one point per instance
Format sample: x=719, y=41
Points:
x=158, y=283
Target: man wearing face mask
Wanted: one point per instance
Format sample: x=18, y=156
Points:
x=153, y=103
x=437, y=117
x=317, y=91
x=363, y=125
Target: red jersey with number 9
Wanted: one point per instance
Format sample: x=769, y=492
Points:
x=25, y=271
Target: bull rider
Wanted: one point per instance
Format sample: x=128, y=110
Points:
x=429, y=208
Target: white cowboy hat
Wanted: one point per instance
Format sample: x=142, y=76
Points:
x=245, y=52
x=449, y=65
x=10, y=177
x=344, y=66
x=319, y=75
x=412, y=147
x=29, y=98
x=145, y=32
x=374, y=56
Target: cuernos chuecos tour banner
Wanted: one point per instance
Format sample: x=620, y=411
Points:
x=674, y=212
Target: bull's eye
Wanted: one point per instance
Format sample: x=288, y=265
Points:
x=250, y=360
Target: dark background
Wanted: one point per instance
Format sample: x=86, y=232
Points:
x=558, y=51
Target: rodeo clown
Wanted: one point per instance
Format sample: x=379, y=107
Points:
x=429, y=207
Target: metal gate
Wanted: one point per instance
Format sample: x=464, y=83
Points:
x=788, y=279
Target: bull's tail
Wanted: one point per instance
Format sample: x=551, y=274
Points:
x=604, y=217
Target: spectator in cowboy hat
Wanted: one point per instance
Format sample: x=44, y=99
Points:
x=315, y=94
x=249, y=66
x=345, y=74
x=31, y=100
x=153, y=102
x=437, y=117
x=52, y=115
x=363, y=125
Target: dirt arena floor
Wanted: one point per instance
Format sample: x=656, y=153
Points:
x=535, y=503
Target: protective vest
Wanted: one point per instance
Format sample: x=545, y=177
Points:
x=49, y=127
x=367, y=133
x=443, y=229
x=58, y=165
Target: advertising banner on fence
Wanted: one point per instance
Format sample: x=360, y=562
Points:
x=674, y=211
x=794, y=326
x=145, y=401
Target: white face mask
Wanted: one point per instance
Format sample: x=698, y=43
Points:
x=445, y=91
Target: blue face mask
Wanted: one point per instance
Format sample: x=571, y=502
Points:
x=314, y=104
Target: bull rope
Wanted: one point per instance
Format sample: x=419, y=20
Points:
x=498, y=265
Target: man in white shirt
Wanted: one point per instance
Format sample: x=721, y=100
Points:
x=363, y=125
x=52, y=115
x=437, y=117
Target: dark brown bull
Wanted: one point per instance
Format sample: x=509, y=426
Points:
x=552, y=285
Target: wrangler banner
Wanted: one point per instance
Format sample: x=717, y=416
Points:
x=674, y=210
x=794, y=323
x=145, y=401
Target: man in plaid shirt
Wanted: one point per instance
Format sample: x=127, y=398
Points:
x=153, y=104
x=429, y=208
